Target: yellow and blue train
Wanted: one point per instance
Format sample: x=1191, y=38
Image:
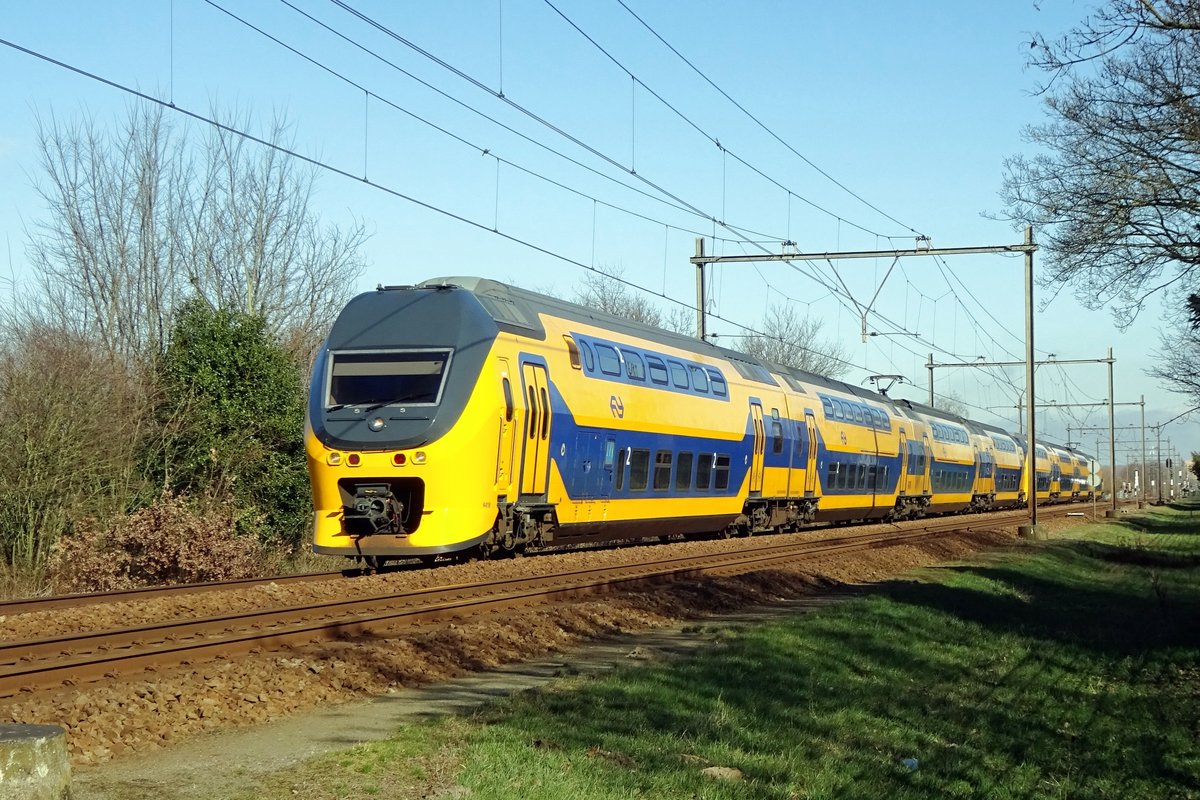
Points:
x=463, y=416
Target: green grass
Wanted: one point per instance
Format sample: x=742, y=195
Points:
x=1067, y=669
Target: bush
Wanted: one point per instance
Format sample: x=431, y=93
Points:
x=72, y=419
x=167, y=542
x=233, y=421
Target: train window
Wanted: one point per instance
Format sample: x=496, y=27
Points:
x=699, y=378
x=589, y=360
x=609, y=446
x=858, y=414
x=633, y=365
x=622, y=459
x=610, y=364
x=658, y=370
x=872, y=475
x=545, y=414
x=573, y=352
x=860, y=477
x=683, y=472
x=831, y=475
x=718, y=383
x=405, y=377
x=776, y=436
x=721, y=473
x=678, y=375
x=704, y=465
x=827, y=404
x=508, y=399
x=884, y=483
x=662, y=470
x=639, y=469
x=532, y=413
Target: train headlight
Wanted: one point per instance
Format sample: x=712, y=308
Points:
x=377, y=424
x=419, y=457
x=333, y=458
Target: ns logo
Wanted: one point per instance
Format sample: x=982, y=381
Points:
x=617, y=406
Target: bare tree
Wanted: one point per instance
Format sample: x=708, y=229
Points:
x=256, y=244
x=141, y=218
x=108, y=252
x=795, y=341
x=1115, y=197
x=1177, y=362
x=679, y=319
x=605, y=291
x=951, y=403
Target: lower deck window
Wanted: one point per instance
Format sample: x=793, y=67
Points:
x=683, y=472
x=704, y=466
x=639, y=469
x=721, y=473
x=662, y=470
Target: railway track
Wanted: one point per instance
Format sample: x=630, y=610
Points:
x=54, y=661
x=59, y=602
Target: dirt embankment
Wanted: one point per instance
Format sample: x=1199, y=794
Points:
x=122, y=715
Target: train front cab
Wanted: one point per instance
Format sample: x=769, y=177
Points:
x=399, y=410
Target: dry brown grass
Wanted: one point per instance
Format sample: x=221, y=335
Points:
x=168, y=542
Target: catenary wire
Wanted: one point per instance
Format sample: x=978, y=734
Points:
x=717, y=142
x=478, y=148
x=762, y=125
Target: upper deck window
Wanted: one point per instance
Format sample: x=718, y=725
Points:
x=409, y=377
x=679, y=375
x=610, y=363
x=633, y=365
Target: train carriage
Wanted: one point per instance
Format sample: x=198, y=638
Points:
x=1007, y=464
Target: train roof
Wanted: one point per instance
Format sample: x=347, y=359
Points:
x=515, y=308
x=520, y=307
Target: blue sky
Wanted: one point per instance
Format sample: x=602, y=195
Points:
x=912, y=106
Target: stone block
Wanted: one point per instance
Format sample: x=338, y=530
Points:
x=34, y=763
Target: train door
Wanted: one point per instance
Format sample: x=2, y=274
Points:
x=535, y=466
x=508, y=423
x=810, y=469
x=760, y=448
x=927, y=459
x=610, y=464
x=902, y=454
x=978, y=487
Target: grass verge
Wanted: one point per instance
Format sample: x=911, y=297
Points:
x=1067, y=669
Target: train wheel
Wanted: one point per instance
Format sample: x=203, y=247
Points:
x=373, y=564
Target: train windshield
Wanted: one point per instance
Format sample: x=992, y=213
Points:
x=409, y=377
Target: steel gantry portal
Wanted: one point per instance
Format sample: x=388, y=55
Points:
x=700, y=260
